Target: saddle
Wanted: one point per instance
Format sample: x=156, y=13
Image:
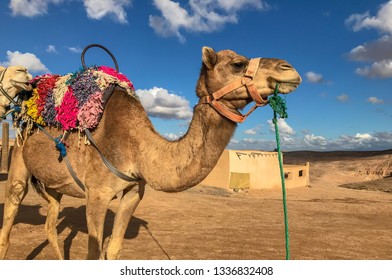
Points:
x=72, y=101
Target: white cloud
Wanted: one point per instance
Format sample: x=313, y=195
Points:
x=312, y=140
x=236, y=5
x=95, y=9
x=251, y=131
x=384, y=139
x=289, y=140
x=172, y=136
x=98, y=9
x=342, y=97
x=201, y=16
x=375, y=100
x=382, y=22
x=284, y=128
x=51, y=49
x=158, y=102
x=75, y=49
x=30, y=8
x=28, y=60
x=249, y=140
x=357, y=141
x=379, y=69
x=373, y=51
x=286, y=132
x=380, y=51
x=362, y=137
x=314, y=77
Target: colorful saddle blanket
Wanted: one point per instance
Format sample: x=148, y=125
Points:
x=73, y=101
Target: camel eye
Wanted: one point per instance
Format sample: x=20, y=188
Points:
x=238, y=65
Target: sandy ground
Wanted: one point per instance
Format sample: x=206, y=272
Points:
x=325, y=221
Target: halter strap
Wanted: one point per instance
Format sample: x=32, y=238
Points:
x=245, y=81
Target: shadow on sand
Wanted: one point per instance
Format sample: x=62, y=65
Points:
x=72, y=218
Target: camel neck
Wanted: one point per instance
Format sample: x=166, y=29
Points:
x=186, y=162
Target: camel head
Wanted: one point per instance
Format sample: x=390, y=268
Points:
x=229, y=81
x=13, y=80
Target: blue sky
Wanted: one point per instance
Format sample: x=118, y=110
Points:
x=342, y=50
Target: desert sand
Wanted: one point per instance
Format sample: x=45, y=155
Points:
x=326, y=220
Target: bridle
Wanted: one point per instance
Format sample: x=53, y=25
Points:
x=246, y=81
x=2, y=74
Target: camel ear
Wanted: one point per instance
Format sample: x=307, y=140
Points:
x=209, y=57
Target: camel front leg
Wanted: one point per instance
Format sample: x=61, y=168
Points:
x=15, y=191
x=96, y=208
x=129, y=201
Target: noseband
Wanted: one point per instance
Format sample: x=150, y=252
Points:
x=246, y=81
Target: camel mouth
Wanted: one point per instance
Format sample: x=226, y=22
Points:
x=23, y=85
x=286, y=86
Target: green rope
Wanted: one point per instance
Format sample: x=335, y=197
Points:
x=279, y=106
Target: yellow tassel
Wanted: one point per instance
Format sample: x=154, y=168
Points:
x=32, y=109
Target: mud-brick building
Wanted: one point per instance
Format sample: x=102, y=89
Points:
x=253, y=169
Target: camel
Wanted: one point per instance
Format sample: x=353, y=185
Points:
x=13, y=80
x=125, y=135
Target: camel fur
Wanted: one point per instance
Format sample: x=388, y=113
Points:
x=14, y=80
x=127, y=138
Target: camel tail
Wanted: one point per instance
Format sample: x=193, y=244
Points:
x=38, y=186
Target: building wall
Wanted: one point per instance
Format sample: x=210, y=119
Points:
x=296, y=175
x=219, y=176
x=243, y=169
